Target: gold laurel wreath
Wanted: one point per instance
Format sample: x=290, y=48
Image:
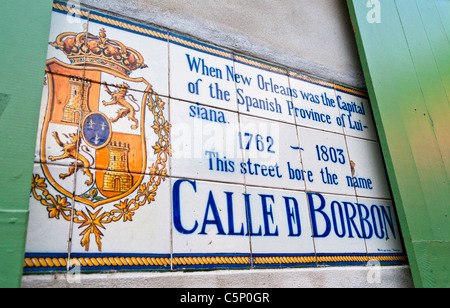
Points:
x=59, y=206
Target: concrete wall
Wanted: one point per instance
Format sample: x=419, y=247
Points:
x=336, y=277
x=315, y=37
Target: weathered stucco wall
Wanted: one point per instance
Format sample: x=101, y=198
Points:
x=311, y=36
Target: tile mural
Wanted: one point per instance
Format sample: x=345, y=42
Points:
x=157, y=151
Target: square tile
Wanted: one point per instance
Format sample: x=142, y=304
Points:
x=204, y=143
x=313, y=104
x=65, y=54
x=209, y=224
x=380, y=223
x=281, y=227
x=325, y=155
x=356, y=115
x=63, y=106
x=122, y=214
x=50, y=210
x=202, y=73
x=133, y=135
x=368, y=170
x=271, y=154
x=123, y=52
x=42, y=116
x=336, y=225
x=263, y=90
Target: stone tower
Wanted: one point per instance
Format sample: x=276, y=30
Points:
x=117, y=178
x=76, y=107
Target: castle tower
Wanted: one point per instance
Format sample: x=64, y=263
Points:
x=76, y=107
x=117, y=177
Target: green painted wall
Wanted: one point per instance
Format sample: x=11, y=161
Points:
x=24, y=32
x=405, y=52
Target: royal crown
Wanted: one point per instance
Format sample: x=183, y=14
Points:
x=99, y=51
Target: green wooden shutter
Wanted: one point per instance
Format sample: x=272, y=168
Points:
x=405, y=52
x=25, y=26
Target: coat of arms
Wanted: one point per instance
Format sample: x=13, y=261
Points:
x=108, y=136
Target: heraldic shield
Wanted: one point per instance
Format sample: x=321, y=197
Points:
x=109, y=130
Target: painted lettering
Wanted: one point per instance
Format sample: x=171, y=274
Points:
x=207, y=114
x=350, y=220
x=198, y=65
x=293, y=216
x=340, y=218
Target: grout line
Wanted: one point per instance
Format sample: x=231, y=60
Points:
x=69, y=243
x=239, y=115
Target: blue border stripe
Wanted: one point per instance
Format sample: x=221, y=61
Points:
x=129, y=23
x=137, y=267
x=171, y=35
x=72, y=6
x=314, y=81
x=213, y=265
x=274, y=66
x=348, y=90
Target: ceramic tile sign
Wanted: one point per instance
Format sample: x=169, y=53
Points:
x=102, y=157
x=159, y=152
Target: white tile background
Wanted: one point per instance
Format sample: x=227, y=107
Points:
x=294, y=141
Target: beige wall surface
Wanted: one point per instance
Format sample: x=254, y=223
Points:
x=314, y=37
x=337, y=277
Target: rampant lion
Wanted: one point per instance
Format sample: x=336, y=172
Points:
x=71, y=150
x=118, y=97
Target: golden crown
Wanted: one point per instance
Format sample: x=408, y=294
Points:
x=99, y=51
